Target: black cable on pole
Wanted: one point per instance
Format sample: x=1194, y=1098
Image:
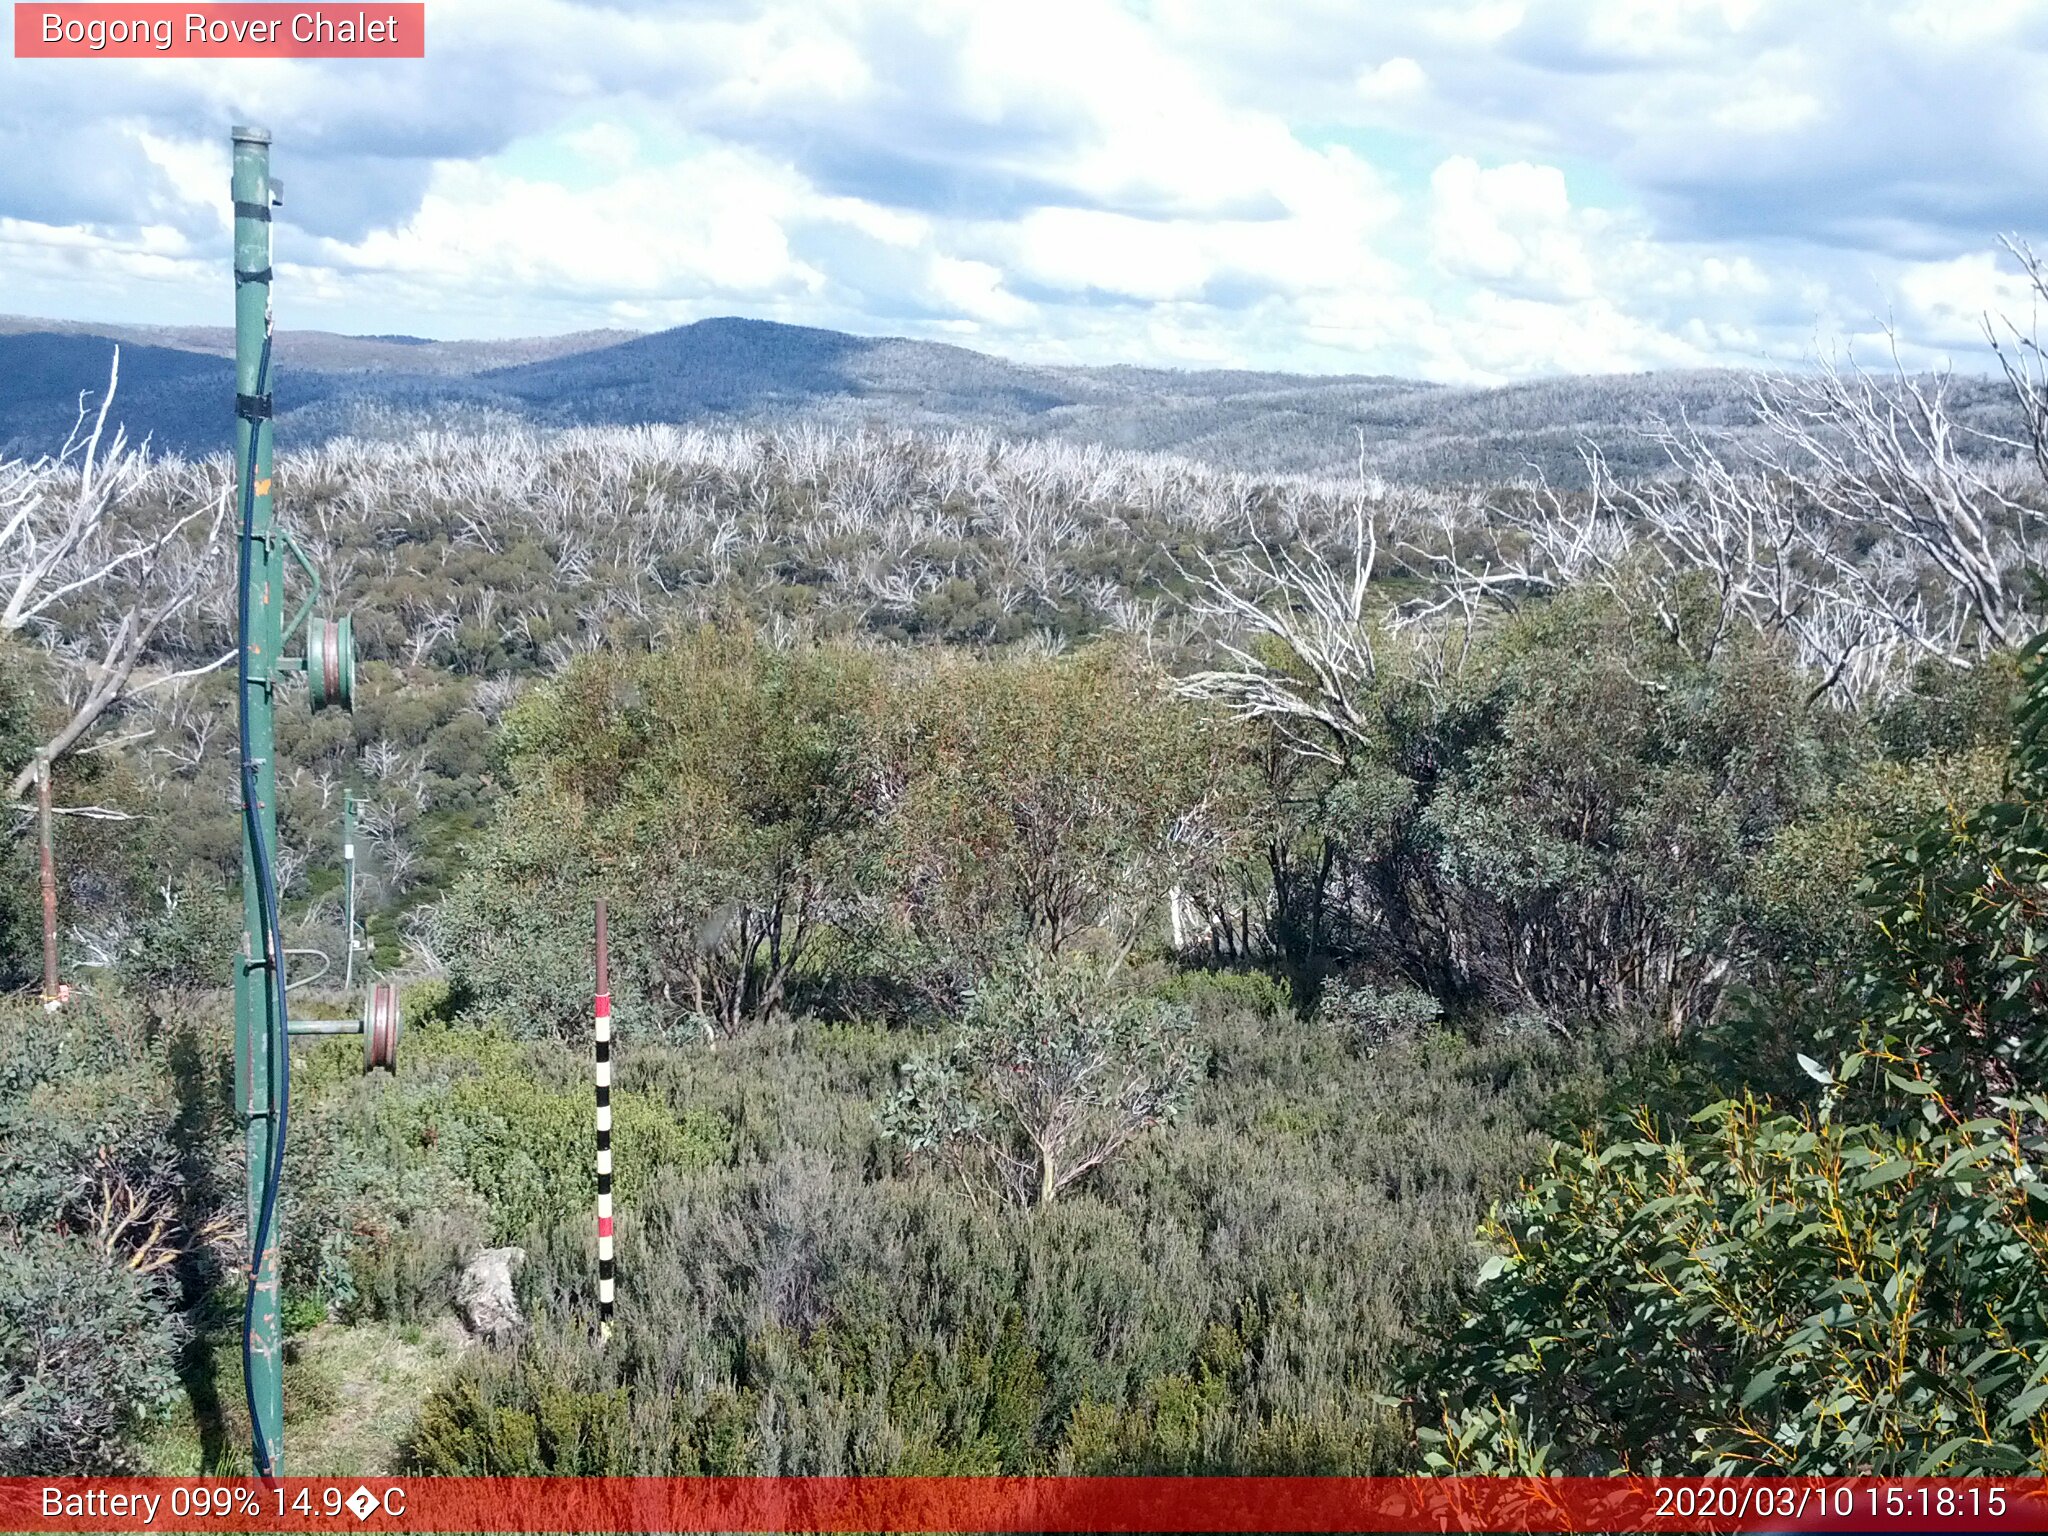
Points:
x=278, y=1056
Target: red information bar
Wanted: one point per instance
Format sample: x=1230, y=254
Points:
x=1053, y=1504
x=108, y=29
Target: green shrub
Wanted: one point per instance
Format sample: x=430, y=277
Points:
x=518, y=927
x=87, y=1348
x=821, y=825
x=300, y=1313
x=1044, y=802
x=1370, y=1016
x=1851, y=1277
x=1050, y=1074
x=430, y=1003
x=479, y=1140
x=109, y=1162
x=1773, y=1292
x=720, y=793
x=20, y=907
x=1211, y=995
x=1228, y=1297
x=526, y=1148
x=1565, y=822
x=88, y=1109
x=186, y=940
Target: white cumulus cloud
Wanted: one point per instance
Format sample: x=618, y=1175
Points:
x=1461, y=188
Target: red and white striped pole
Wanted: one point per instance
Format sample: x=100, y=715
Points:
x=603, y=1064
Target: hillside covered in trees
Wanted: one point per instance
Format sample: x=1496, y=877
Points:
x=730, y=373
x=1121, y=965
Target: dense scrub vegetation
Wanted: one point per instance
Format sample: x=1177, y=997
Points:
x=112, y=1156
x=1230, y=1295
x=780, y=823
x=1119, y=967
x=1849, y=1248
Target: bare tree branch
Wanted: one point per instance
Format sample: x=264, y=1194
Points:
x=66, y=537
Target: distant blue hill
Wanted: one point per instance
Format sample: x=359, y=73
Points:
x=716, y=370
x=753, y=368
x=177, y=387
x=182, y=401
x=177, y=398
x=715, y=366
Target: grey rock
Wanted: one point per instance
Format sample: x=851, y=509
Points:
x=483, y=1295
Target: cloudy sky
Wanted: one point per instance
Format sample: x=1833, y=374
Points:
x=1467, y=190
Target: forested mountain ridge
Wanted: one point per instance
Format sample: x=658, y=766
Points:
x=332, y=351
x=728, y=372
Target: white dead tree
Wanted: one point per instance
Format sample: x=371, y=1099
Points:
x=1866, y=523
x=1764, y=548
x=1317, y=615
x=2020, y=353
x=1889, y=457
x=66, y=544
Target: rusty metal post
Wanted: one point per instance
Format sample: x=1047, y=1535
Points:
x=51, y=996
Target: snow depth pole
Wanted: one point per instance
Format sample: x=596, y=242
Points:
x=602, y=1063
x=261, y=1059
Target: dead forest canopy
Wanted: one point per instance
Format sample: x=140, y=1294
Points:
x=1122, y=966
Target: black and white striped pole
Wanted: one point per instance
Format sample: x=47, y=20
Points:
x=602, y=1062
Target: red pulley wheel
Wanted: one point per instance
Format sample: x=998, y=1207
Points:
x=380, y=1028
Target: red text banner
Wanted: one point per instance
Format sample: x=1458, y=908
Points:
x=1016, y=1504
x=109, y=29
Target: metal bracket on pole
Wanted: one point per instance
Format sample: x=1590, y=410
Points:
x=313, y=580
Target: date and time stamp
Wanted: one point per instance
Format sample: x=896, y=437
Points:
x=1897, y=1506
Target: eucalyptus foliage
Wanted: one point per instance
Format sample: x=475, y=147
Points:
x=1847, y=1273
x=776, y=825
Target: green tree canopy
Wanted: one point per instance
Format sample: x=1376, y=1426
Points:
x=1847, y=1273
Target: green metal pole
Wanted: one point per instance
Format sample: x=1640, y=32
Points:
x=259, y=1032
